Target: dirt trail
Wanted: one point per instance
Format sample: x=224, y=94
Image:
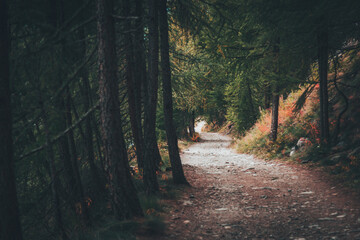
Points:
x=237, y=196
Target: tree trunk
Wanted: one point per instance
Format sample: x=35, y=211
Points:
x=133, y=101
x=10, y=228
x=177, y=169
x=57, y=19
x=78, y=187
x=192, y=124
x=323, y=72
x=64, y=149
x=59, y=225
x=275, y=97
x=140, y=70
x=151, y=157
x=252, y=108
x=274, y=116
x=267, y=95
x=124, y=198
x=97, y=180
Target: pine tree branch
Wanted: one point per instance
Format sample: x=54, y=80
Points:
x=53, y=140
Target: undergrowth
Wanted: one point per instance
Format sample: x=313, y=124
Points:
x=342, y=158
x=106, y=227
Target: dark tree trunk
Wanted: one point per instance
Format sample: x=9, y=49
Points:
x=10, y=228
x=133, y=96
x=78, y=187
x=275, y=97
x=274, y=116
x=252, y=109
x=124, y=198
x=192, y=124
x=267, y=95
x=152, y=156
x=97, y=180
x=140, y=69
x=64, y=149
x=177, y=169
x=323, y=72
x=59, y=225
x=57, y=19
x=140, y=73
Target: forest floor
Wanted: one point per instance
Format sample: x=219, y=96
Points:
x=238, y=196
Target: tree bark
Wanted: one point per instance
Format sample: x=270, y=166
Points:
x=79, y=196
x=10, y=228
x=267, y=95
x=124, y=198
x=59, y=225
x=324, y=99
x=251, y=103
x=275, y=96
x=64, y=149
x=133, y=96
x=192, y=124
x=57, y=19
x=177, y=169
x=97, y=180
x=274, y=116
x=152, y=155
x=140, y=70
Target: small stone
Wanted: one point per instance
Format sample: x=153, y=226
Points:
x=221, y=209
x=303, y=142
x=307, y=193
x=186, y=222
x=187, y=203
x=227, y=227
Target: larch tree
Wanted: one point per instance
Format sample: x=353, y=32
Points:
x=177, y=170
x=276, y=95
x=139, y=75
x=125, y=202
x=134, y=97
x=152, y=155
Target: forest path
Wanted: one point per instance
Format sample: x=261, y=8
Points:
x=237, y=196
